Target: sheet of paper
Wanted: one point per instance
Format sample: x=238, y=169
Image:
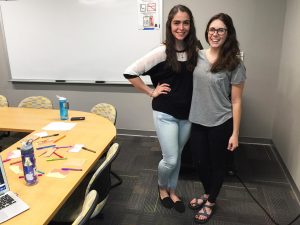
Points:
x=76, y=148
x=74, y=163
x=14, y=154
x=41, y=134
x=59, y=126
x=16, y=169
x=57, y=173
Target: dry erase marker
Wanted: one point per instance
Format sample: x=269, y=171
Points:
x=73, y=169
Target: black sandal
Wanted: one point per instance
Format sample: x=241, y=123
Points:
x=196, y=205
x=204, y=213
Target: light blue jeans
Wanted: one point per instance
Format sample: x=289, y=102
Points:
x=172, y=135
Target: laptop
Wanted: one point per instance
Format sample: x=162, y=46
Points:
x=10, y=204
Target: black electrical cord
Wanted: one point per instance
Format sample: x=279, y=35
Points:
x=234, y=173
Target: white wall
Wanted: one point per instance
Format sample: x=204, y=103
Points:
x=286, y=128
x=259, y=25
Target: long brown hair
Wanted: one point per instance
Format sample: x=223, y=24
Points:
x=191, y=43
x=228, y=58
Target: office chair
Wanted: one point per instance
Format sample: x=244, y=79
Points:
x=109, y=112
x=89, y=205
x=99, y=181
x=3, y=101
x=106, y=110
x=38, y=102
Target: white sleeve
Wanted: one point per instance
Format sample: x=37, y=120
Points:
x=148, y=61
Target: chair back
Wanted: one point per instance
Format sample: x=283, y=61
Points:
x=89, y=205
x=38, y=102
x=106, y=110
x=3, y=101
x=101, y=180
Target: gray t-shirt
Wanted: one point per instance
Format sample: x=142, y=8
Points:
x=211, y=101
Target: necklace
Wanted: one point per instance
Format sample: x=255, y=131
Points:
x=181, y=54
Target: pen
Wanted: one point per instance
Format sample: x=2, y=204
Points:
x=51, y=135
x=48, y=146
x=56, y=159
x=59, y=139
x=73, y=169
x=37, y=175
x=58, y=155
x=87, y=149
x=15, y=162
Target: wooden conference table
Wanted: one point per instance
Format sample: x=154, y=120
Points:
x=48, y=195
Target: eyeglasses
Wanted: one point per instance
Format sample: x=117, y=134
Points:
x=220, y=31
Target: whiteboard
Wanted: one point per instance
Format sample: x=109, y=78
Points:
x=68, y=40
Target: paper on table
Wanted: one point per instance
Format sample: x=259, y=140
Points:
x=57, y=173
x=41, y=134
x=76, y=148
x=59, y=126
x=16, y=169
x=74, y=163
x=14, y=154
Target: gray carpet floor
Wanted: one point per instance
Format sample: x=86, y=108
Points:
x=136, y=202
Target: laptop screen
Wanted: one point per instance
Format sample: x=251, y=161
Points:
x=3, y=181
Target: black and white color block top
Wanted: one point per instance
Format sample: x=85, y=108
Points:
x=178, y=101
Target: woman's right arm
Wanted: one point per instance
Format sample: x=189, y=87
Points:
x=139, y=84
x=141, y=67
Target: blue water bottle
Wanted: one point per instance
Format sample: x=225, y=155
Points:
x=63, y=108
x=28, y=162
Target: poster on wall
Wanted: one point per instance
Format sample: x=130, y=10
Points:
x=148, y=14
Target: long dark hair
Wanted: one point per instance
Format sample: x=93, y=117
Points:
x=228, y=58
x=191, y=42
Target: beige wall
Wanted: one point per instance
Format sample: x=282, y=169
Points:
x=259, y=24
x=286, y=129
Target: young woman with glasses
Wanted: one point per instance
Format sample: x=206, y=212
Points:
x=170, y=67
x=215, y=110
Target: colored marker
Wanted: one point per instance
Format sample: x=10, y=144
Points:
x=57, y=147
x=39, y=171
x=38, y=175
x=42, y=153
x=56, y=159
x=58, y=155
x=87, y=149
x=51, y=135
x=73, y=169
x=48, y=146
x=59, y=139
x=15, y=162
x=5, y=160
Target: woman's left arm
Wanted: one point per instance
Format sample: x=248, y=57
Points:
x=236, y=100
